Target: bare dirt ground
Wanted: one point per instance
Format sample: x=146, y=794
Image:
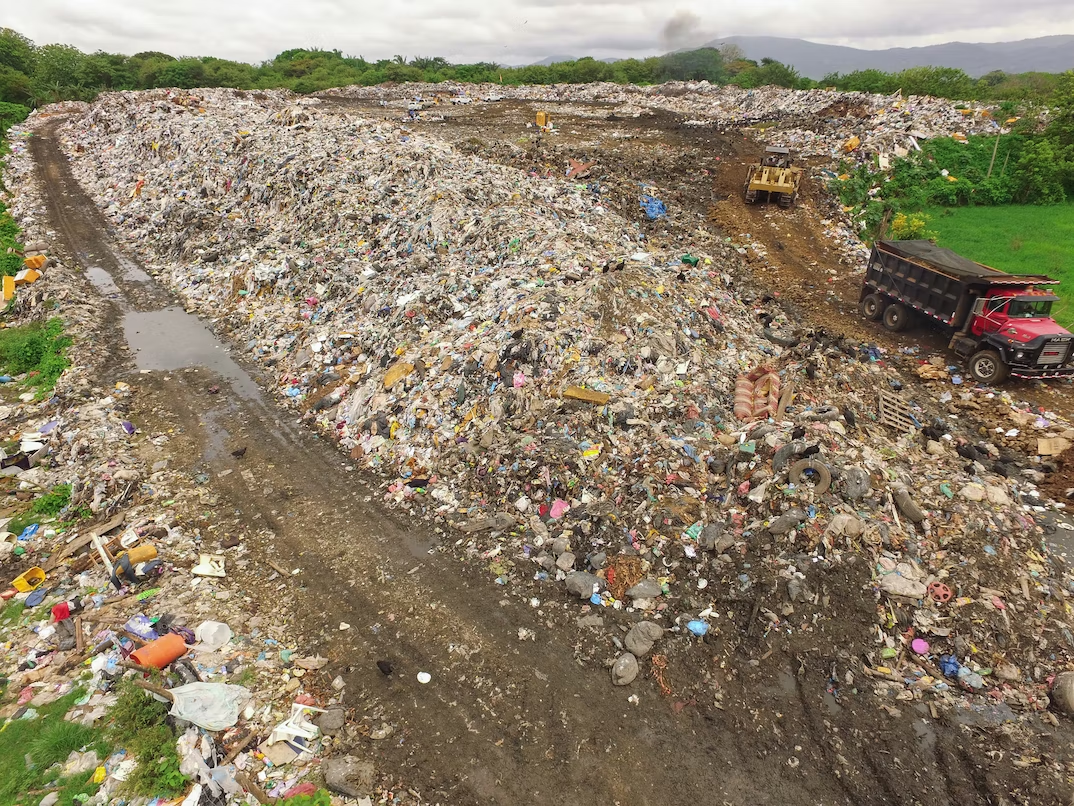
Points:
x=749, y=715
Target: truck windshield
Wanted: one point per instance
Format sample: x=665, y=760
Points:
x=1030, y=309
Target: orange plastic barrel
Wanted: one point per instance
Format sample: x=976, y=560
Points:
x=161, y=652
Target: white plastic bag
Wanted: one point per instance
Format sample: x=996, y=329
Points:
x=213, y=706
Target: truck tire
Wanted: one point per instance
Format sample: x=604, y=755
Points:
x=872, y=307
x=987, y=367
x=896, y=318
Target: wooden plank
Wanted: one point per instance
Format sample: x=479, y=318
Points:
x=82, y=541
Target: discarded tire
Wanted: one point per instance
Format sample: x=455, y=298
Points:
x=1063, y=692
x=823, y=474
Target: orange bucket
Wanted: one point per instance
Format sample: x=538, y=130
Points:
x=26, y=582
x=161, y=652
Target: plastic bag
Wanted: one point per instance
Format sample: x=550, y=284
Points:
x=212, y=635
x=213, y=706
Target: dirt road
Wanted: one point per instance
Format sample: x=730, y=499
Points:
x=749, y=716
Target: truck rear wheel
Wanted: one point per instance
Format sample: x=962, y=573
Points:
x=872, y=308
x=987, y=367
x=896, y=318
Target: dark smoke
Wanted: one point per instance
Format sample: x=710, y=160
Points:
x=681, y=31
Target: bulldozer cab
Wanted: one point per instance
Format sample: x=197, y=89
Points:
x=777, y=157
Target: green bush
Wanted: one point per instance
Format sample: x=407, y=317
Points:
x=39, y=349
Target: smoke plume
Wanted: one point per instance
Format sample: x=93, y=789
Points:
x=683, y=30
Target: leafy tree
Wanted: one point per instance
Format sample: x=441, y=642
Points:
x=107, y=71
x=777, y=73
x=1041, y=172
x=226, y=73
x=183, y=73
x=10, y=114
x=15, y=87
x=1061, y=127
x=58, y=65
x=703, y=64
x=633, y=71
x=872, y=81
x=433, y=63
x=942, y=82
x=16, y=51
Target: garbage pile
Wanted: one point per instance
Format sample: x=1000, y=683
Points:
x=118, y=584
x=812, y=122
x=523, y=363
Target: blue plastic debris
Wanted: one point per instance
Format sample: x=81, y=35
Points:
x=653, y=207
x=698, y=628
x=949, y=665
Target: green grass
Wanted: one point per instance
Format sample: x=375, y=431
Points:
x=42, y=509
x=45, y=741
x=1020, y=239
x=9, y=230
x=38, y=349
x=139, y=726
x=11, y=613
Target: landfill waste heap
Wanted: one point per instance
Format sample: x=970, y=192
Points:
x=589, y=405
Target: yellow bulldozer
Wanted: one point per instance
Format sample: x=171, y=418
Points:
x=775, y=176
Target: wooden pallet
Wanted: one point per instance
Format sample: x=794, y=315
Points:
x=895, y=413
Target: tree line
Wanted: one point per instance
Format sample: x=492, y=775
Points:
x=32, y=75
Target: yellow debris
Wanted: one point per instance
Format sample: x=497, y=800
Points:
x=586, y=395
x=396, y=372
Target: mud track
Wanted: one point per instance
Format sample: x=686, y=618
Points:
x=504, y=720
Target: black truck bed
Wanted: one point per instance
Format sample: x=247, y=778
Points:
x=956, y=266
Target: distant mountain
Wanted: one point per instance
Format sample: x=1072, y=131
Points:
x=1047, y=54
x=554, y=59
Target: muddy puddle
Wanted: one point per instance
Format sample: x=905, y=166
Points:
x=171, y=339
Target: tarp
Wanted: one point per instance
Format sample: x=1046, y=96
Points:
x=951, y=262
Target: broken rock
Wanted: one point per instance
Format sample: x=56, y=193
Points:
x=625, y=670
x=349, y=776
x=641, y=638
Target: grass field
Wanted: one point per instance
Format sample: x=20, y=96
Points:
x=1021, y=239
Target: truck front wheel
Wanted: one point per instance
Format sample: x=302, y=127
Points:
x=987, y=367
x=872, y=308
x=896, y=318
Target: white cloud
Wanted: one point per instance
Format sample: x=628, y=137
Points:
x=513, y=31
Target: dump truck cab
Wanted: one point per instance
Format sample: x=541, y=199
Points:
x=1026, y=314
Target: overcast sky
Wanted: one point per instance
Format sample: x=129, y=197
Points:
x=514, y=31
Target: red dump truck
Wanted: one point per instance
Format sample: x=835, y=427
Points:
x=1000, y=322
